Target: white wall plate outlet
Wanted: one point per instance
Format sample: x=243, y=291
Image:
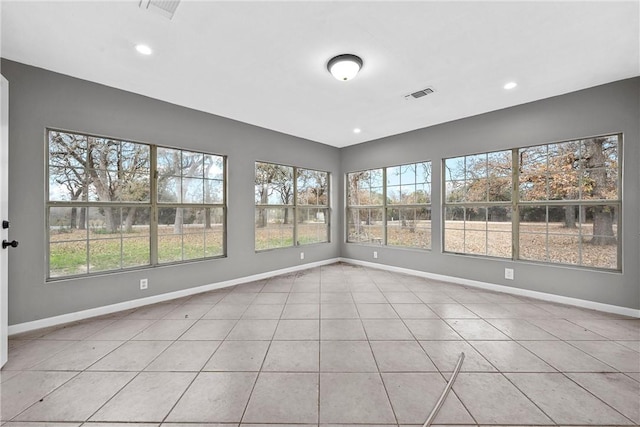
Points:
x=508, y=273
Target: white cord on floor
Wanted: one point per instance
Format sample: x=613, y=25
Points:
x=445, y=392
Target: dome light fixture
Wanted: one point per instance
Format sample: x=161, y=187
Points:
x=510, y=85
x=144, y=49
x=344, y=67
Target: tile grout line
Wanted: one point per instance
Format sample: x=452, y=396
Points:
x=429, y=357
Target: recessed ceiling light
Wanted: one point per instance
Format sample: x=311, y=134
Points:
x=510, y=85
x=344, y=67
x=357, y=130
x=144, y=49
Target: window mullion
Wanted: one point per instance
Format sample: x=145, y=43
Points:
x=153, y=217
x=515, y=209
x=295, y=206
x=384, y=206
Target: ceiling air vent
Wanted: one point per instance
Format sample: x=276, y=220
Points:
x=165, y=8
x=420, y=93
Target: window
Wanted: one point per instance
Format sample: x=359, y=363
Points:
x=564, y=207
x=101, y=206
x=190, y=205
x=478, y=204
x=292, y=205
x=390, y=206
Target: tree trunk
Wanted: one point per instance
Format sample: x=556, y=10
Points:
x=177, y=224
x=131, y=216
x=602, y=215
x=262, y=212
x=111, y=220
x=570, y=217
x=207, y=218
x=82, y=222
x=74, y=217
x=603, y=226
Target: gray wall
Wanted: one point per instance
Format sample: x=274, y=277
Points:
x=600, y=110
x=40, y=98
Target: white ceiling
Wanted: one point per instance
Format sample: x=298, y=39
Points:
x=264, y=62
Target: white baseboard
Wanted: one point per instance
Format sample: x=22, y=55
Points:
x=113, y=308
x=608, y=308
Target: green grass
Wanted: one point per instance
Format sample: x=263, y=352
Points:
x=67, y=258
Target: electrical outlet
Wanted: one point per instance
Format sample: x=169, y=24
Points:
x=144, y=283
x=508, y=273
x=375, y=254
x=301, y=255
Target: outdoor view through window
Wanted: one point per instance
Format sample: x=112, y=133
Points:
x=564, y=207
x=102, y=203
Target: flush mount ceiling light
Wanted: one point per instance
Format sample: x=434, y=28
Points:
x=344, y=67
x=357, y=130
x=144, y=49
x=510, y=85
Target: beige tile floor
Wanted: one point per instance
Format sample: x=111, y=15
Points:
x=334, y=345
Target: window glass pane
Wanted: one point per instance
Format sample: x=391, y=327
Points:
x=213, y=191
x=455, y=191
x=104, y=222
x=169, y=189
x=499, y=235
x=476, y=190
x=102, y=153
x=67, y=150
x=563, y=248
x=192, y=164
x=365, y=225
x=312, y=187
x=135, y=251
x=375, y=176
x=213, y=167
x=454, y=217
x=359, y=191
x=169, y=162
x=475, y=241
x=170, y=229
x=136, y=236
x=499, y=164
x=192, y=190
x=476, y=167
x=214, y=232
x=393, y=175
x=68, y=237
x=454, y=169
x=375, y=196
x=274, y=228
x=409, y=227
x=67, y=258
x=394, y=195
x=105, y=254
x=423, y=172
x=499, y=189
x=454, y=239
x=313, y=225
x=134, y=186
x=274, y=184
x=408, y=174
x=169, y=247
x=68, y=223
x=135, y=156
x=67, y=183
